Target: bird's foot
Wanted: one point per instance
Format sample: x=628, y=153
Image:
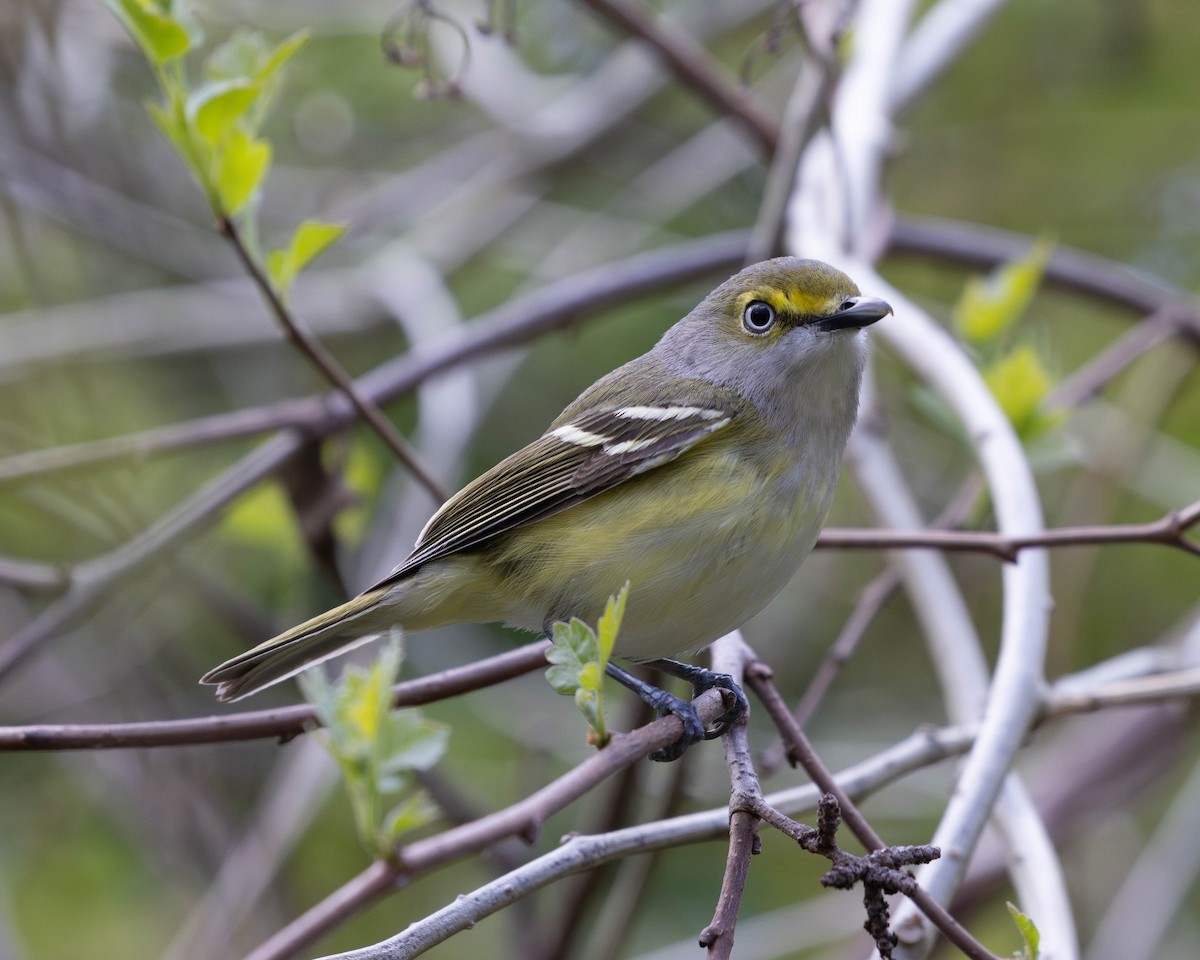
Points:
x=665, y=703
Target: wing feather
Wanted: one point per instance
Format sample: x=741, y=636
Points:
x=589, y=453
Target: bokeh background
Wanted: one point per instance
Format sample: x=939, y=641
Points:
x=121, y=310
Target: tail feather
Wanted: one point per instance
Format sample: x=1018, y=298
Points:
x=328, y=635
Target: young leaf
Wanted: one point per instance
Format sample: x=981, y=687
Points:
x=308, y=241
x=1029, y=932
x=410, y=813
x=610, y=623
x=161, y=36
x=241, y=164
x=989, y=307
x=217, y=106
x=375, y=747
x=1020, y=382
x=579, y=657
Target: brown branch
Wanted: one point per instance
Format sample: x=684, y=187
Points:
x=522, y=819
x=758, y=676
x=691, y=65
x=282, y=724
x=328, y=366
x=1169, y=531
x=745, y=795
x=1168, y=320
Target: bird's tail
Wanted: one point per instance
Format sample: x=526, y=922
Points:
x=327, y=635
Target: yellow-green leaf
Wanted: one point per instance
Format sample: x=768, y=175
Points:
x=216, y=107
x=241, y=163
x=989, y=307
x=308, y=241
x=1020, y=382
x=161, y=37
x=1029, y=932
x=610, y=623
x=281, y=55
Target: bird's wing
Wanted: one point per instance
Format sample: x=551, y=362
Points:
x=579, y=457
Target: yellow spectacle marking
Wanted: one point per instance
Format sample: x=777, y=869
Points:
x=791, y=301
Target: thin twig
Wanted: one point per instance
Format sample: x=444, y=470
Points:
x=692, y=67
x=282, y=724
x=1169, y=531
x=745, y=792
x=758, y=676
x=328, y=366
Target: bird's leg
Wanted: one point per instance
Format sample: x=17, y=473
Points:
x=664, y=703
x=702, y=680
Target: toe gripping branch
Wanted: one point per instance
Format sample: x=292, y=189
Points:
x=667, y=703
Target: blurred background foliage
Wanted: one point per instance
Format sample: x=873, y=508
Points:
x=122, y=311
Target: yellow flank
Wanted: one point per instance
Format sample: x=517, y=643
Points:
x=706, y=557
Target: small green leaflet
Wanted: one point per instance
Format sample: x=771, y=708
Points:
x=216, y=107
x=990, y=306
x=161, y=36
x=376, y=748
x=1029, y=933
x=579, y=657
x=308, y=241
x=1020, y=382
x=240, y=166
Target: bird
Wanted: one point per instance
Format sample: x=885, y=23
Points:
x=700, y=472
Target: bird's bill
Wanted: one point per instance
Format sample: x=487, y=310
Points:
x=855, y=313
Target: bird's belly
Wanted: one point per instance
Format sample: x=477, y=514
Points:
x=698, y=566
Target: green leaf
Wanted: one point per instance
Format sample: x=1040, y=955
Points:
x=246, y=56
x=413, y=812
x=574, y=645
x=375, y=747
x=171, y=125
x=410, y=742
x=308, y=241
x=271, y=65
x=1028, y=930
x=579, y=656
x=216, y=107
x=989, y=307
x=1021, y=383
x=240, y=164
x=160, y=36
x=610, y=623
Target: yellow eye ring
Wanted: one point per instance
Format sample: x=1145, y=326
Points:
x=758, y=317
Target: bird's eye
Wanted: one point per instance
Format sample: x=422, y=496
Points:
x=758, y=317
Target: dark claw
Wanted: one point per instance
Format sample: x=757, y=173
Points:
x=666, y=703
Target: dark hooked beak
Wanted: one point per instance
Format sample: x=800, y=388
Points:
x=855, y=313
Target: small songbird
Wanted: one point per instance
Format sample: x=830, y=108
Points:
x=700, y=472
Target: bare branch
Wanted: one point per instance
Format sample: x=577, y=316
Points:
x=1170, y=531
x=282, y=724
x=692, y=67
x=759, y=678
